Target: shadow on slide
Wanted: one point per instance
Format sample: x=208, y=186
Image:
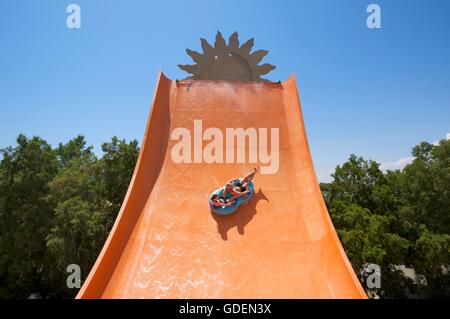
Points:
x=243, y=215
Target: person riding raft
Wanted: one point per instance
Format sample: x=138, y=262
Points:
x=232, y=190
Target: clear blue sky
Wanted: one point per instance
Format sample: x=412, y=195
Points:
x=375, y=93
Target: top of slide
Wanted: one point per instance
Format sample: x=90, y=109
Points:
x=166, y=243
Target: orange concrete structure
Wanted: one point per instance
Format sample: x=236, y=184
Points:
x=166, y=243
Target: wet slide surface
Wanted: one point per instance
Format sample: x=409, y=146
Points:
x=166, y=243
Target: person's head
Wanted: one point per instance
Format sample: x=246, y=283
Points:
x=214, y=197
x=229, y=186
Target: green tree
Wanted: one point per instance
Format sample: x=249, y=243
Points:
x=396, y=218
x=354, y=182
x=116, y=168
x=25, y=217
x=79, y=224
x=426, y=190
x=87, y=194
x=75, y=148
x=56, y=208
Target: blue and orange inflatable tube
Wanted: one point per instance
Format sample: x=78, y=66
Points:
x=227, y=210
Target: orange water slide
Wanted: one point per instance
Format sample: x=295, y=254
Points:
x=166, y=243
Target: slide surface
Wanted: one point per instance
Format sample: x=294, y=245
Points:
x=166, y=243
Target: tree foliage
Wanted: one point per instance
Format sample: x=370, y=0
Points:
x=56, y=209
x=397, y=218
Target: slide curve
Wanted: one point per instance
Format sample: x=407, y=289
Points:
x=166, y=243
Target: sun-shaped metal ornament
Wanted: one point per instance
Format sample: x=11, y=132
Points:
x=227, y=62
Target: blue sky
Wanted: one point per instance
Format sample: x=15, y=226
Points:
x=375, y=93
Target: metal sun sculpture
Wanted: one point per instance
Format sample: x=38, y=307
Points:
x=227, y=62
